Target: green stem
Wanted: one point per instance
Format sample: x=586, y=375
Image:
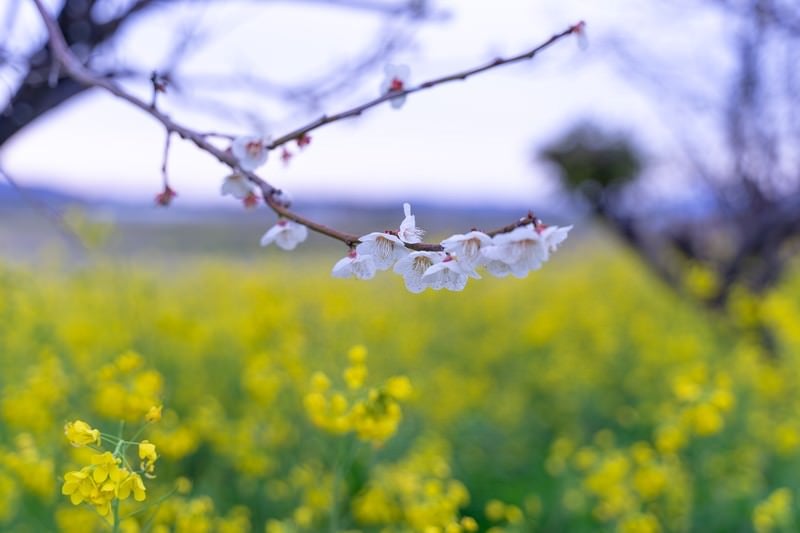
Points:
x=153, y=504
x=115, y=508
x=334, y=510
x=343, y=462
x=138, y=432
x=117, y=451
x=118, y=448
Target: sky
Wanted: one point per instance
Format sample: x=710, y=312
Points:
x=467, y=143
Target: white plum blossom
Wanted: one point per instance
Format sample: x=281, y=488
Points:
x=468, y=248
x=354, y=265
x=237, y=186
x=413, y=267
x=409, y=232
x=396, y=80
x=384, y=247
x=448, y=274
x=282, y=198
x=553, y=236
x=250, y=151
x=285, y=234
x=499, y=269
x=522, y=249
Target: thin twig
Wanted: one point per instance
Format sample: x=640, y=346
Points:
x=458, y=76
x=74, y=68
x=164, y=176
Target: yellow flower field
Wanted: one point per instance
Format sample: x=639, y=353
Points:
x=264, y=396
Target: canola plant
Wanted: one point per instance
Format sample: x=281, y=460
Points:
x=262, y=397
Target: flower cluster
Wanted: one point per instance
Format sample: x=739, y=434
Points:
x=516, y=252
x=775, y=512
x=125, y=389
x=110, y=477
x=418, y=492
x=373, y=414
x=623, y=485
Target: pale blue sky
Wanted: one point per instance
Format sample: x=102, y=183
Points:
x=463, y=143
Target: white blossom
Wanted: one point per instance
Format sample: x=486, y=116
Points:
x=553, y=236
x=413, y=267
x=409, y=232
x=282, y=197
x=354, y=265
x=285, y=234
x=499, y=269
x=385, y=248
x=237, y=186
x=250, y=151
x=522, y=249
x=468, y=248
x=448, y=274
x=396, y=80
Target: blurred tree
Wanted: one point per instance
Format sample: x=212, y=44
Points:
x=594, y=163
x=739, y=132
x=92, y=26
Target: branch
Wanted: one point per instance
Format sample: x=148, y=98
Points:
x=74, y=68
x=458, y=76
x=33, y=96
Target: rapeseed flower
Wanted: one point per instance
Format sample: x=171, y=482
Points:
x=79, y=433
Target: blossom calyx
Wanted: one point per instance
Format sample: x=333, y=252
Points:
x=396, y=80
x=250, y=151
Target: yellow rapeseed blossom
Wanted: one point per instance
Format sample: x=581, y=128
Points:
x=33, y=471
x=639, y=523
x=148, y=456
x=399, y=387
x=416, y=493
x=9, y=498
x=774, y=513
x=183, y=485
x=687, y=402
x=374, y=415
x=357, y=354
x=320, y=382
x=670, y=438
x=154, y=414
x=495, y=510
x=71, y=519
x=106, y=466
x=705, y=419
x=469, y=524
x=132, y=484
x=355, y=376
x=79, y=433
x=107, y=479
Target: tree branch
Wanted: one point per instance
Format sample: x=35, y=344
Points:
x=458, y=76
x=74, y=68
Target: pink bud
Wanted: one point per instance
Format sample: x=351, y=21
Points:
x=164, y=198
x=250, y=201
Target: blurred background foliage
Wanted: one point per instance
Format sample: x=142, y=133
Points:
x=586, y=397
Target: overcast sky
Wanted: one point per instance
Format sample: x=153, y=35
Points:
x=466, y=142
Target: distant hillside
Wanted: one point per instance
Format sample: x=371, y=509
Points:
x=12, y=198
